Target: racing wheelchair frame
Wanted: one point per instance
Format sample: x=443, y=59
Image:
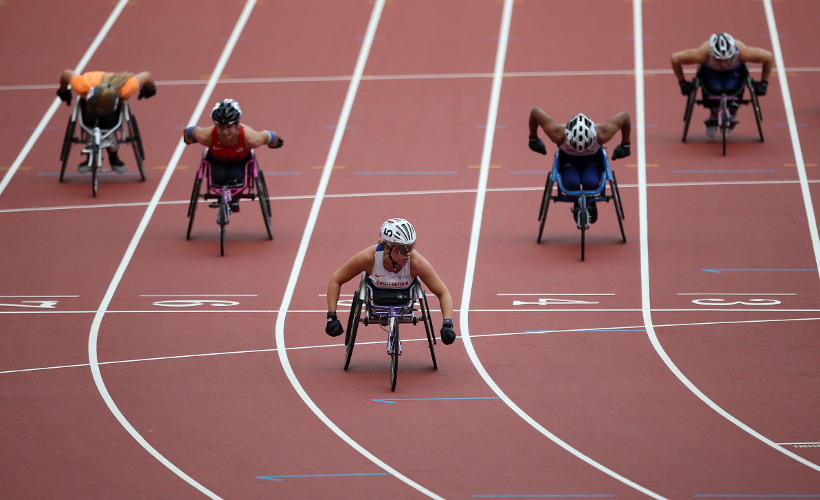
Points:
x=252, y=186
x=581, y=199
x=725, y=102
x=97, y=139
x=389, y=309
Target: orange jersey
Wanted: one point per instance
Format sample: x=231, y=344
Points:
x=81, y=84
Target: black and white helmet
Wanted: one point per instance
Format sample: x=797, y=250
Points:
x=580, y=133
x=397, y=232
x=722, y=46
x=226, y=112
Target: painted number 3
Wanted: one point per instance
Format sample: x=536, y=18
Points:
x=748, y=302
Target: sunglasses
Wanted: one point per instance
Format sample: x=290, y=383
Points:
x=403, y=249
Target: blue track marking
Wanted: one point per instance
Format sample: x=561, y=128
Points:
x=282, y=478
x=746, y=495
x=596, y=330
x=407, y=172
x=721, y=171
x=718, y=271
x=394, y=400
x=576, y=495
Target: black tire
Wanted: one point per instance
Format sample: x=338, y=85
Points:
x=545, y=206
x=66, y=151
x=264, y=202
x=619, y=209
x=755, y=107
x=394, y=353
x=192, y=206
x=428, y=325
x=223, y=221
x=690, y=104
x=95, y=168
x=139, y=153
x=352, y=327
x=724, y=130
x=583, y=222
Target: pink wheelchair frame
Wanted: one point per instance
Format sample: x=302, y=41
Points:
x=253, y=186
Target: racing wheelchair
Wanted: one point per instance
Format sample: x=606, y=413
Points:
x=251, y=186
x=581, y=199
x=723, y=102
x=96, y=139
x=388, y=309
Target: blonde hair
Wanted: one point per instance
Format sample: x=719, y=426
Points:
x=117, y=80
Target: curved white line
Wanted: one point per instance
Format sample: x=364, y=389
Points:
x=489, y=133
x=305, y=244
x=112, y=287
x=644, y=227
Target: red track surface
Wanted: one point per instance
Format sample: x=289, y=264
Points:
x=566, y=342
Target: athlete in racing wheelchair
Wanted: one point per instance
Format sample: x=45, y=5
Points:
x=722, y=71
x=581, y=169
x=103, y=104
x=229, y=165
x=387, y=265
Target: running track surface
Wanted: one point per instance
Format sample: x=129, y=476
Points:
x=682, y=364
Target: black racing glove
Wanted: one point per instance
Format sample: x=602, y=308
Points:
x=760, y=87
x=334, y=326
x=146, y=92
x=686, y=87
x=621, y=151
x=537, y=145
x=278, y=144
x=65, y=96
x=448, y=335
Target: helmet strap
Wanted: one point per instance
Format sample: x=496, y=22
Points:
x=390, y=254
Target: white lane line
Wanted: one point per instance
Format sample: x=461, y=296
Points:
x=95, y=326
x=489, y=133
x=56, y=102
x=644, y=232
x=798, y=151
x=375, y=15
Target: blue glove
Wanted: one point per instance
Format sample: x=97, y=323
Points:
x=448, y=336
x=334, y=326
x=537, y=145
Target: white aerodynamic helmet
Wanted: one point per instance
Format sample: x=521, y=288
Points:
x=580, y=133
x=397, y=231
x=722, y=46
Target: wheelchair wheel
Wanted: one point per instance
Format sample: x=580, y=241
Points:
x=724, y=130
x=69, y=138
x=136, y=143
x=690, y=104
x=264, y=202
x=755, y=107
x=545, y=205
x=353, y=325
x=428, y=325
x=222, y=220
x=394, y=352
x=192, y=205
x=619, y=208
x=96, y=166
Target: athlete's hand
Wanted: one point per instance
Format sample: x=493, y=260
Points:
x=760, y=87
x=537, y=145
x=146, y=92
x=686, y=87
x=65, y=96
x=334, y=326
x=621, y=151
x=448, y=335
